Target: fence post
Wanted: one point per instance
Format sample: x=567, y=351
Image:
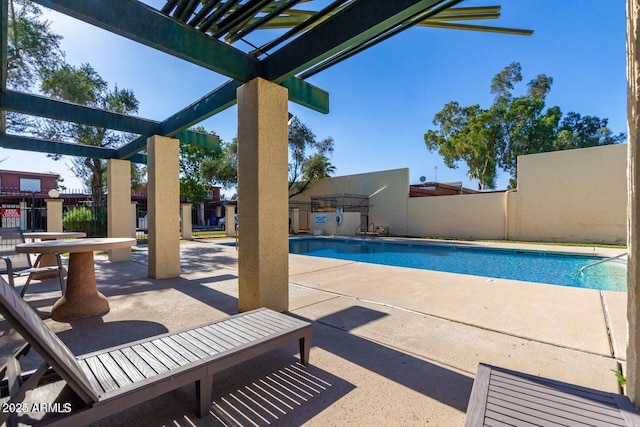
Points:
x=185, y=221
x=54, y=215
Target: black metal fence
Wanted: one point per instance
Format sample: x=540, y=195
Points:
x=28, y=210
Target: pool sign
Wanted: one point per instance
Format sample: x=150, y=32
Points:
x=321, y=218
x=10, y=212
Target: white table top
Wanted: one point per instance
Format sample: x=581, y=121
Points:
x=54, y=234
x=78, y=245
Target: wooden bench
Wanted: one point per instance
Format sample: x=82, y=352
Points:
x=117, y=378
x=501, y=397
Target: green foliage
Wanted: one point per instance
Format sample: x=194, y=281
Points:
x=193, y=184
x=82, y=219
x=83, y=85
x=308, y=160
x=32, y=46
x=488, y=139
x=224, y=169
x=308, y=157
x=620, y=377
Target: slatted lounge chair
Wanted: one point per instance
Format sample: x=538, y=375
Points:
x=18, y=264
x=501, y=397
x=111, y=380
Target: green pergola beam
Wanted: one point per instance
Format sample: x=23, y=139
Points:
x=478, y=28
x=147, y=26
x=357, y=23
x=139, y=22
x=41, y=106
x=18, y=142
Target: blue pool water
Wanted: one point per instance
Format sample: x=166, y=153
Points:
x=531, y=266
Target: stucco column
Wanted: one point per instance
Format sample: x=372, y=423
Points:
x=295, y=220
x=163, y=204
x=54, y=215
x=185, y=220
x=633, y=205
x=118, y=202
x=134, y=218
x=263, y=257
x=230, y=221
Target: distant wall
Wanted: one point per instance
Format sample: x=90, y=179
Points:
x=571, y=196
x=389, y=191
x=565, y=196
x=466, y=216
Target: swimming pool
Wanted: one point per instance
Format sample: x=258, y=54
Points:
x=532, y=266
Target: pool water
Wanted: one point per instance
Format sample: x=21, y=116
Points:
x=531, y=266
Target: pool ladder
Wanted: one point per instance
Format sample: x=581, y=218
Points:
x=601, y=261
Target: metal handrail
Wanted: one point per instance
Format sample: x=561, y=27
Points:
x=601, y=261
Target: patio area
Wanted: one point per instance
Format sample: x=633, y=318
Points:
x=391, y=346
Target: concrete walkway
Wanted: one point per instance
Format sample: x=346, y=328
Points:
x=391, y=346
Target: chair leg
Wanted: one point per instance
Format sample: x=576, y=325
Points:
x=63, y=287
x=26, y=285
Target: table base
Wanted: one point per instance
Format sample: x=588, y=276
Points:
x=66, y=309
x=82, y=298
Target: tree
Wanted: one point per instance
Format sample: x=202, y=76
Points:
x=512, y=126
x=466, y=134
x=193, y=184
x=308, y=160
x=32, y=46
x=308, y=157
x=224, y=169
x=83, y=85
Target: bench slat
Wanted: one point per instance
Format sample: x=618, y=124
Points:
x=179, y=359
x=101, y=374
x=131, y=370
x=183, y=351
x=149, y=358
x=502, y=397
x=568, y=402
x=134, y=358
x=193, y=346
x=228, y=336
x=542, y=409
x=230, y=331
x=159, y=355
x=201, y=334
x=225, y=342
x=204, y=343
x=114, y=369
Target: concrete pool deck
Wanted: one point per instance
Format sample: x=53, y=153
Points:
x=391, y=346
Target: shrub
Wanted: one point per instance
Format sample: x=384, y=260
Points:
x=79, y=219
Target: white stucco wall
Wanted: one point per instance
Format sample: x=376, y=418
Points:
x=571, y=196
x=564, y=196
x=467, y=216
x=388, y=205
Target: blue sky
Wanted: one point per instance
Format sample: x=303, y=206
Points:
x=384, y=99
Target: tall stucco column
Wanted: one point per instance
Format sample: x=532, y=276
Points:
x=633, y=205
x=134, y=218
x=263, y=259
x=118, y=202
x=295, y=220
x=230, y=221
x=54, y=215
x=163, y=205
x=185, y=220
